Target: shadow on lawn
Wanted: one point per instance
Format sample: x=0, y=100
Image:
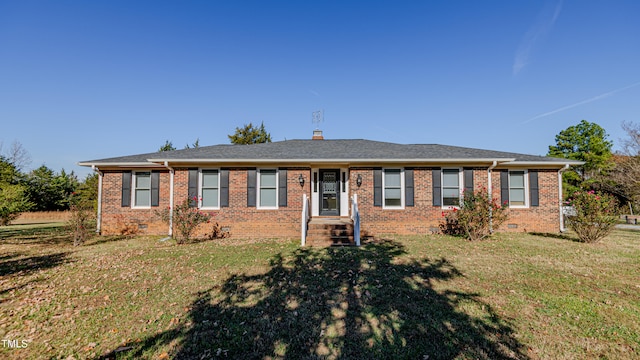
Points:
x=10, y=265
x=344, y=303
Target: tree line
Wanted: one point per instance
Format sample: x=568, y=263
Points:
x=41, y=189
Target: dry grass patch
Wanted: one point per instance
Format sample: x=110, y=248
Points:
x=516, y=296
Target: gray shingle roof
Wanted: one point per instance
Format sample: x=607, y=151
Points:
x=326, y=150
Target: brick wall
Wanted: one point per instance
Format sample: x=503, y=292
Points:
x=249, y=222
x=424, y=218
x=117, y=219
x=242, y=221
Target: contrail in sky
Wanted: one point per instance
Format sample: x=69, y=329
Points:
x=536, y=34
x=595, y=98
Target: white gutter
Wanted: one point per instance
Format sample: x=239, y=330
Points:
x=565, y=168
x=490, y=192
x=99, y=211
x=127, y=164
x=171, y=176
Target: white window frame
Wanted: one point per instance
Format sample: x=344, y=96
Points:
x=384, y=190
x=526, y=189
x=200, y=188
x=460, y=187
x=259, y=187
x=134, y=197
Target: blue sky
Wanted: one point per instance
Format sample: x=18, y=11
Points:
x=84, y=80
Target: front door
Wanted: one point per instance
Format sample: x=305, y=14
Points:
x=329, y=192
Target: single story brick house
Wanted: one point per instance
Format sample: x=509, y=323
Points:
x=277, y=189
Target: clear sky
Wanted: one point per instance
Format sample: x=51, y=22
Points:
x=84, y=80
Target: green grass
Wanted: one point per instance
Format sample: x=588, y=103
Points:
x=436, y=297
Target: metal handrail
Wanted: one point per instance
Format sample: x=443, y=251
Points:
x=304, y=220
x=355, y=216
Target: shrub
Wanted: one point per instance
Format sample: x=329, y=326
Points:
x=185, y=219
x=82, y=220
x=477, y=217
x=595, y=215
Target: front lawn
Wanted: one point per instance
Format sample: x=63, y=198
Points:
x=514, y=296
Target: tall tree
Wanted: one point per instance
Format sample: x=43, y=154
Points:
x=584, y=142
x=250, y=135
x=168, y=146
x=16, y=154
x=195, y=145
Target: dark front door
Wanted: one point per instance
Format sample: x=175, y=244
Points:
x=329, y=192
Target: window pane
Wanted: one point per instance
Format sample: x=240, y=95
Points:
x=267, y=178
x=209, y=197
x=268, y=197
x=450, y=178
x=143, y=197
x=392, y=178
x=392, y=193
x=516, y=179
x=210, y=179
x=451, y=201
x=392, y=202
x=143, y=180
x=450, y=193
x=516, y=196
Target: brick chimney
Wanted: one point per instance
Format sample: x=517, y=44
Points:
x=317, y=135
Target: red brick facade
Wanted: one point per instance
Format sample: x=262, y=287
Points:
x=285, y=222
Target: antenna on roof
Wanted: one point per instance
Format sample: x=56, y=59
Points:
x=317, y=117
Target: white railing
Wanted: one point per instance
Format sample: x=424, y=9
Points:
x=355, y=216
x=305, y=219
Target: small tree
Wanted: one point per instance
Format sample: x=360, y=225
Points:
x=477, y=217
x=595, y=215
x=82, y=219
x=13, y=194
x=185, y=219
x=250, y=135
x=13, y=201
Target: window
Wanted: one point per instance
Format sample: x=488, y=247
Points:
x=517, y=188
x=267, y=189
x=142, y=189
x=451, y=187
x=393, y=189
x=210, y=189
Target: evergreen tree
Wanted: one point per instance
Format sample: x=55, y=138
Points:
x=250, y=135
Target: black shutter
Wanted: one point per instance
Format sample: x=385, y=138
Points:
x=282, y=187
x=251, y=188
x=533, y=188
x=126, y=188
x=504, y=186
x=155, y=188
x=193, y=188
x=408, y=187
x=377, y=187
x=468, y=180
x=436, y=180
x=224, y=188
